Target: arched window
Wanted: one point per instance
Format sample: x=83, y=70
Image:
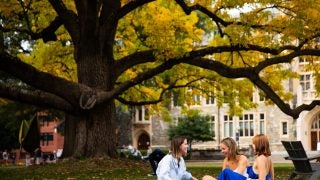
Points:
x=315, y=132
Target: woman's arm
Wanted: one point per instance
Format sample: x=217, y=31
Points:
x=164, y=166
x=242, y=165
x=186, y=174
x=262, y=166
x=271, y=171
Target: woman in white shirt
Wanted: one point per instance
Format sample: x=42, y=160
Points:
x=172, y=166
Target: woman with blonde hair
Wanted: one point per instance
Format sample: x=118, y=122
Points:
x=233, y=161
x=262, y=168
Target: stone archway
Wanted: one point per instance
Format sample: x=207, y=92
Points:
x=305, y=133
x=143, y=141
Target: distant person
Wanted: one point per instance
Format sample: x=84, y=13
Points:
x=53, y=157
x=154, y=158
x=172, y=166
x=13, y=157
x=233, y=160
x=38, y=156
x=149, y=151
x=28, y=160
x=5, y=156
x=134, y=151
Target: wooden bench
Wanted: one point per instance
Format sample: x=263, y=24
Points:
x=303, y=167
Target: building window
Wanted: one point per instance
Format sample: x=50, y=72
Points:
x=305, y=81
x=213, y=125
x=284, y=128
x=302, y=60
x=46, y=138
x=175, y=99
x=261, y=123
x=197, y=100
x=262, y=96
x=228, y=126
x=210, y=99
x=142, y=114
x=175, y=120
x=44, y=120
x=246, y=126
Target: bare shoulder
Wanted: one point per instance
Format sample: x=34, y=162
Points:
x=243, y=158
x=225, y=163
x=262, y=159
x=225, y=160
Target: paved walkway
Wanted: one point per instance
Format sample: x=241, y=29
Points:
x=277, y=157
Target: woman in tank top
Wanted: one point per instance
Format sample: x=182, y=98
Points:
x=262, y=167
x=233, y=161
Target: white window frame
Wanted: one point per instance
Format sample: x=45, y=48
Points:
x=305, y=82
x=227, y=130
x=263, y=121
x=140, y=114
x=248, y=119
x=281, y=130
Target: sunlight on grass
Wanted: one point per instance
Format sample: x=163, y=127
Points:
x=111, y=169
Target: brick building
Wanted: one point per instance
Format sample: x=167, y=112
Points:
x=51, y=138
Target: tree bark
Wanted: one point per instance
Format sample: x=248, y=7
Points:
x=69, y=135
x=95, y=133
x=95, y=129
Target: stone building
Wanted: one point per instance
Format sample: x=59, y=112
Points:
x=267, y=119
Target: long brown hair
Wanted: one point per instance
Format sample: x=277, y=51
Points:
x=233, y=149
x=175, y=144
x=261, y=144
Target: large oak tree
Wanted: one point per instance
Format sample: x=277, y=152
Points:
x=134, y=51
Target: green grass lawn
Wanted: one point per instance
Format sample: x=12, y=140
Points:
x=110, y=169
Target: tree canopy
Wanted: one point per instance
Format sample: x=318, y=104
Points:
x=82, y=56
x=194, y=126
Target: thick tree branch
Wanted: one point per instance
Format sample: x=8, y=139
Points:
x=188, y=9
x=47, y=34
x=286, y=58
x=294, y=113
x=130, y=7
x=131, y=60
x=40, y=80
x=160, y=98
x=34, y=97
x=148, y=56
x=252, y=73
x=224, y=70
x=138, y=103
x=69, y=18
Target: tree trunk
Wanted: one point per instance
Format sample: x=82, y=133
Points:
x=95, y=129
x=69, y=135
x=95, y=133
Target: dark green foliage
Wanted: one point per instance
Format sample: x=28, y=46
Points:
x=11, y=116
x=194, y=126
x=32, y=139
